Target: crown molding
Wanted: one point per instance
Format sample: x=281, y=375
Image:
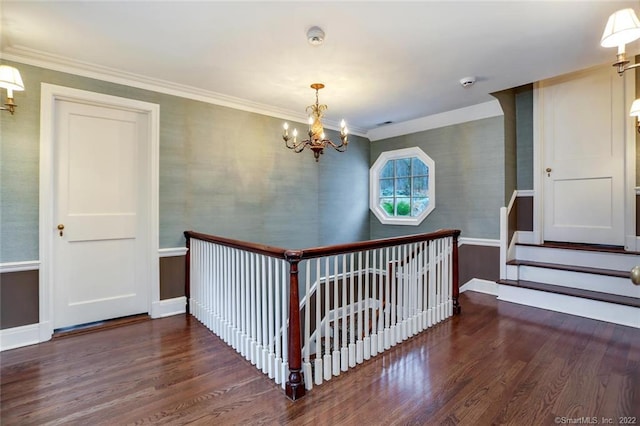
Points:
x=448, y=118
x=85, y=69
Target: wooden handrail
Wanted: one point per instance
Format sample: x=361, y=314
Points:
x=239, y=244
x=310, y=253
x=294, y=386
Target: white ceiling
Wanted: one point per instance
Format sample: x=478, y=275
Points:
x=381, y=60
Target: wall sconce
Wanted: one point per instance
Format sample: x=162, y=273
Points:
x=635, y=111
x=10, y=79
x=622, y=27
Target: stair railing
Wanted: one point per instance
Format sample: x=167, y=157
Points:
x=360, y=299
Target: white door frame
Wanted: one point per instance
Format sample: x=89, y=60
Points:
x=632, y=243
x=49, y=95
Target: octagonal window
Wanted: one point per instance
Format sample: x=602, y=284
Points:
x=402, y=186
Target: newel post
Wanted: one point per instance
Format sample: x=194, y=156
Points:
x=294, y=387
x=454, y=278
x=187, y=272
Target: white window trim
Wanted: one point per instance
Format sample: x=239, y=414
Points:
x=374, y=186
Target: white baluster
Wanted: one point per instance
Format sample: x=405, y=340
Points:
x=335, y=328
x=344, y=349
x=326, y=360
x=279, y=284
x=318, y=331
x=375, y=305
x=366, y=342
x=352, y=318
x=307, y=329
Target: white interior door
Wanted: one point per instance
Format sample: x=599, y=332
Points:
x=101, y=198
x=584, y=142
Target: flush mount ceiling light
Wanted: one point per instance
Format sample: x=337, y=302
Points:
x=317, y=141
x=623, y=27
x=11, y=80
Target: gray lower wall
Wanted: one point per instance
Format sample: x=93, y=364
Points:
x=482, y=262
x=470, y=167
x=19, y=299
x=19, y=296
x=172, y=275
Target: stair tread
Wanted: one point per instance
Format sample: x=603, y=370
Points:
x=577, y=292
x=571, y=268
x=582, y=247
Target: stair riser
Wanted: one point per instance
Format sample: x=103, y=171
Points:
x=603, y=311
x=581, y=280
x=603, y=260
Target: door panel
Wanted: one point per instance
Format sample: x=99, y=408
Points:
x=99, y=255
x=583, y=135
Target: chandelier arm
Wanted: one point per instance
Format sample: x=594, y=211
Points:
x=340, y=148
x=301, y=146
x=629, y=67
x=296, y=147
x=290, y=146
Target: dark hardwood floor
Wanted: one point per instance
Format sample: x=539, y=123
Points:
x=497, y=363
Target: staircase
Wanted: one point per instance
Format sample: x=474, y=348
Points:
x=584, y=280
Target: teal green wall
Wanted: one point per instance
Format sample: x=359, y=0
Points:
x=470, y=177
x=222, y=171
x=507, y=99
x=524, y=136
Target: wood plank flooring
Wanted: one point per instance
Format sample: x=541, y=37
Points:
x=497, y=363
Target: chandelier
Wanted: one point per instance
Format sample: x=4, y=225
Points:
x=317, y=141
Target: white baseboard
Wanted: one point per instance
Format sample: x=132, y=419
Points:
x=481, y=286
x=168, y=307
x=602, y=311
x=632, y=243
x=17, y=337
x=31, y=334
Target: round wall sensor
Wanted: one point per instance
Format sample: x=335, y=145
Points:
x=467, y=81
x=315, y=35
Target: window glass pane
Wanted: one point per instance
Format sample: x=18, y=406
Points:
x=387, y=170
x=386, y=187
x=403, y=187
x=420, y=186
x=419, y=168
x=418, y=206
x=403, y=206
x=403, y=167
x=387, y=205
x=404, y=182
